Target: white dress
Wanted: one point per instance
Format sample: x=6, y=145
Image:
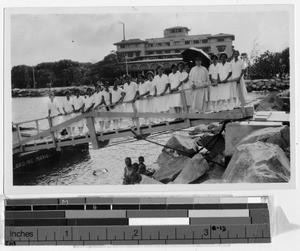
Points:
x=151, y=100
x=98, y=99
x=199, y=77
x=53, y=106
x=115, y=96
x=237, y=67
x=186, y=86
x=130, y=90
x=162, y=102
x=78, y=103
x=174, y=99
x=142, y=104
x=67, y=106
x=224, y=89
x=87, y=103
x=213, y=90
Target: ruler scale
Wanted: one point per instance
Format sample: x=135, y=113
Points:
x=137, y=221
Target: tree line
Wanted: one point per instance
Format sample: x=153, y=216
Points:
x=65, y=72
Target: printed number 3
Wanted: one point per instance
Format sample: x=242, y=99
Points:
x=205, y=232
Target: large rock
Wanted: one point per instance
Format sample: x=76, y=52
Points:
x=170, y=166
x=216, y=169
x=193, y=170
x=271, y=103
x=275, y=135
x=148, y=180
x=172, y=161
x=235, y=132
x=258, y=163
x=181, y=145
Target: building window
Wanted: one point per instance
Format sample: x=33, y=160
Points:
x=221, y=48
x=167, y=43
x=130, y=54
x=179, y=30
x=158, y=52
x=177, y=51
x=187, y=42
x=220, y=39
x=167, y=52
x=196, y=41
x=204, y=41
x=176, y=42
x=150, y=45
x=122, y=46
x=137, y=54
x=173, y=31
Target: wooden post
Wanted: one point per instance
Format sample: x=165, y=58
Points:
x=136, y=119
x=18, y=133
x=185, y=107
x=92, y=131
x=52, y=135
x=37, y=126
x=242, y=98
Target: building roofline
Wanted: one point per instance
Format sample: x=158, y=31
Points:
x=131, y=41
x=152, y=60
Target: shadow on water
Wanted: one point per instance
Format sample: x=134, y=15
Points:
x=48, y=172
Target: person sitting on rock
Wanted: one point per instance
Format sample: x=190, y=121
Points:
x=142, y=166
x=128, y=170
x=135, y=176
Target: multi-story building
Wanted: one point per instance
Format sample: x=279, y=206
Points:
x=143, y=55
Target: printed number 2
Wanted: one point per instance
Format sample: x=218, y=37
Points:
x=205, y=232
x=135, y=233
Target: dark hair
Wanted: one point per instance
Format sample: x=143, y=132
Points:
x=160, y=66
x=214, y=56
x=135, y=166
x=141, y=158
x=180, y=63
x=89, y=89
x=223, y=54
x=173, y=66
x=142, y=76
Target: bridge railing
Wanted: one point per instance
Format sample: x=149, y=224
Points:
x=96, y=113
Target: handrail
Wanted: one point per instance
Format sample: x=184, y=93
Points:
x=134, y=115
x=152, y=96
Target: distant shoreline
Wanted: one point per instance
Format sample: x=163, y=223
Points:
x=270, y=85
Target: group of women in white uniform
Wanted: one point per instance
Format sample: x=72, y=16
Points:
x=205, y=90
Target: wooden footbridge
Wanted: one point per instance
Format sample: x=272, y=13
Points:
x=46, y=139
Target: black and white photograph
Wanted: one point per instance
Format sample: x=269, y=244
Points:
x=153, y=95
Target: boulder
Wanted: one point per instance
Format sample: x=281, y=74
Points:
x=148, y=180
x=275, y=135
x=184, y=145
x=271, y=103
x=258, y=162
x=170, y=166
x=193, y=170
x=216, y=169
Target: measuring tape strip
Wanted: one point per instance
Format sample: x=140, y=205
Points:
x=66, y=222
x=224, y=232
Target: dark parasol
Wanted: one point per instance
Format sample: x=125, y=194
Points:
x=189, y=56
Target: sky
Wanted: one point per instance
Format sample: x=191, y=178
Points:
x=48, y=37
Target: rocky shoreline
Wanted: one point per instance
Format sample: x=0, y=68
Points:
x=268, y=85
x=242, y=153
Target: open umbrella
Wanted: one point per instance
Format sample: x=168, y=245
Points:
x=192, y=53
